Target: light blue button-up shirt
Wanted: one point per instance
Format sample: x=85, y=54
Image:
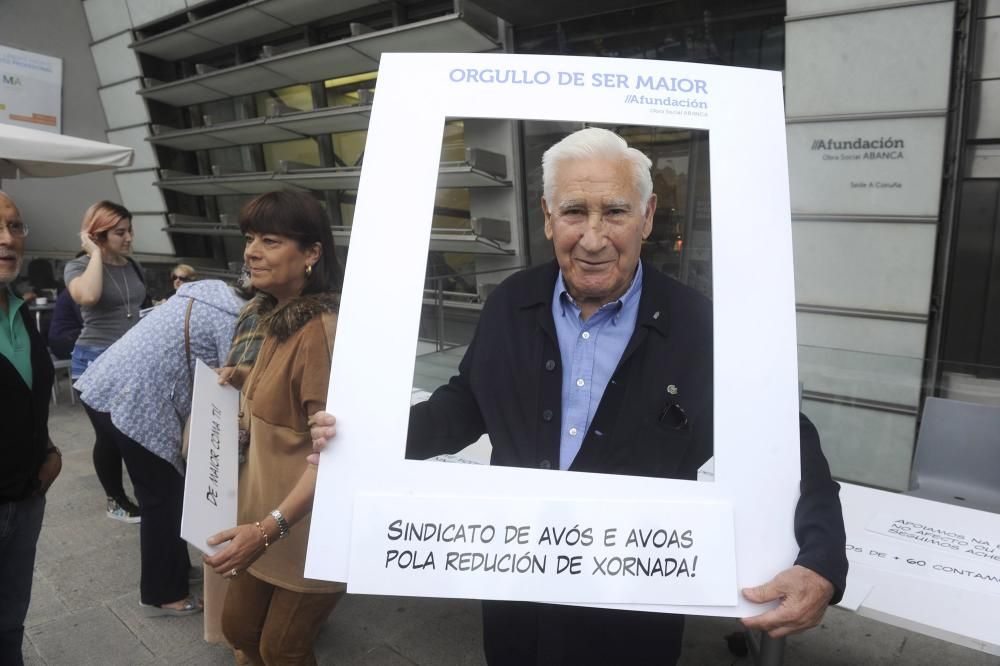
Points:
x=590, y=351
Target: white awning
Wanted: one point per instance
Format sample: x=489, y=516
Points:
x=34, y=153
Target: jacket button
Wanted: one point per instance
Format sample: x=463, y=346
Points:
x=550, y=365
x=545, y=464
x=547, y=415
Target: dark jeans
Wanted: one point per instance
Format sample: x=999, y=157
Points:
x=62, y=349
x=20, y=524
x=159, y=488
x=107, y=459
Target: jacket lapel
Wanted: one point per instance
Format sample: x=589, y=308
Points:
x=653, y=313
x=652, y=319
x=543, y=384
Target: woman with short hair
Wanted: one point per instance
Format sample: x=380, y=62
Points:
x=272, y=612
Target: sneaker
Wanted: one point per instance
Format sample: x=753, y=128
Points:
x=124, y=510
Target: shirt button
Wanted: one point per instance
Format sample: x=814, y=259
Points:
x=585, y=335
x=580, y=382
x=550, y=365
x=572, y=431
x=547, y=415
x=545, y=464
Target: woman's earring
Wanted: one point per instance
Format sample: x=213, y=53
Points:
x=309, y=270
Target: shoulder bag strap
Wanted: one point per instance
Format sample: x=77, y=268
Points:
x=187, y=340
x=135, y=267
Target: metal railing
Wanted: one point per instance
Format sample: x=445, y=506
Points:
x=440, y=298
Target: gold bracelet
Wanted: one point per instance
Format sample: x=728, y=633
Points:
x=267, y=542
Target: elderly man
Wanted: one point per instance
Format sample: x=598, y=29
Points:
x=597, y=362
x=30, y=461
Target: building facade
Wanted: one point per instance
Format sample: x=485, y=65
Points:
x=893, y=134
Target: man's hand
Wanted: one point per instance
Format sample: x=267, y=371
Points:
x=322, y=427
x=804, y=596
x=49, y=470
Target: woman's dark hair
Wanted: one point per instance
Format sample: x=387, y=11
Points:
x=41, y=274
x=297, y=215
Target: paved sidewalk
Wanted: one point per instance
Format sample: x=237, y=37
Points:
x=85, y=604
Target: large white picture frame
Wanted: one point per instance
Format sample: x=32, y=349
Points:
x=745, y=517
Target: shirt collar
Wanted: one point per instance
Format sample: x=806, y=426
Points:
x=14, y=303
x=629, y=298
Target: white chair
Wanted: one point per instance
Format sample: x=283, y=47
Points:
x=61, y=364
x=957, y=460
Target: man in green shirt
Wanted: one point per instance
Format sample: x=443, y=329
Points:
x=29, y=462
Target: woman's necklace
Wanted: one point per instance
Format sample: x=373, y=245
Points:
x=126, y=296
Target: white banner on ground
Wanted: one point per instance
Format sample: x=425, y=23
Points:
x=922, y=565
x=936, y=541
x=212, y=463
x=965, y=537
x=583, y=552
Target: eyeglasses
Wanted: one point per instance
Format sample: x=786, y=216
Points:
x=16, y=229
x=182, y=278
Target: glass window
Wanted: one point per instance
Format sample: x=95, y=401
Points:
x=344, y=90
x=680, y=243
x=288, y=100
x=724, y=32
x=350, y=146
x=301, y=151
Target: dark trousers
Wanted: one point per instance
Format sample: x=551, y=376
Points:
x=528, y=634
x=20, y=524
x=107, y=459
x=160, y=492
x=62, y=349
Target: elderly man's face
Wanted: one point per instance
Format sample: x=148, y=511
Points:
x=596, y=222
x=11, y=247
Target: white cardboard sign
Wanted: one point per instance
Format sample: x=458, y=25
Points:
x=570, y=551
x=925, y=566
x=965, y=539
x=212, y=463
x=756, y=403
x=951, y=545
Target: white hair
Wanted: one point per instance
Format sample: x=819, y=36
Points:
x=4, y=197
x=594, y=142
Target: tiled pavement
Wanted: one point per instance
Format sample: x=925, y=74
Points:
x=85, y=610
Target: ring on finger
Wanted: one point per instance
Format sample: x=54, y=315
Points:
x=234, y=573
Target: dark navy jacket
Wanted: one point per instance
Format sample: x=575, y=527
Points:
x=509, y=385
x=25, y=416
